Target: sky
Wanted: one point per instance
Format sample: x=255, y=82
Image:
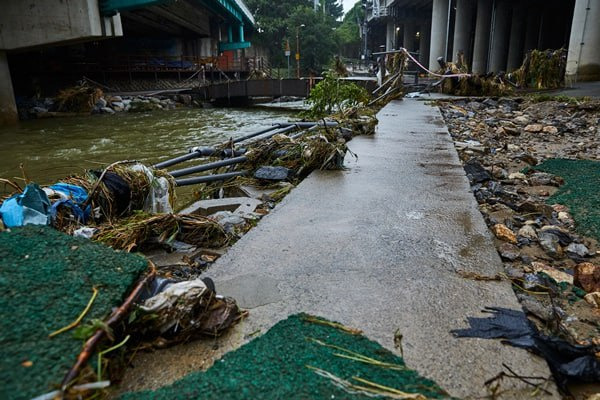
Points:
x=348, y=4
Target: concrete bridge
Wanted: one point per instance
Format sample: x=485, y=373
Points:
x=493, y=35
x=202, y=28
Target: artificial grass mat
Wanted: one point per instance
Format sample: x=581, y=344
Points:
x=278, y=365
x=579, y=193
x=46, y=280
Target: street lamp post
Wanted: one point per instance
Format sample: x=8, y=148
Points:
x=298, y=50
x=287, y=54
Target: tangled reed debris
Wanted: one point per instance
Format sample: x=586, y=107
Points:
x=79, y=99
x=132, y=232
x=542, y=69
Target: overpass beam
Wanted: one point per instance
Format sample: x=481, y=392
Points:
x=8, y=107
x=500, y=36
x=439, y=32
x=517, y=38
x=583, y=58
x=482, y=36
x=462, y=29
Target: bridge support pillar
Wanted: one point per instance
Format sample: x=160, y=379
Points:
x=424, y=42
x=462, y=30
x=409, y=36
x=390, y=36
x=8, y=107
x=500, y=36
x=517, y=38
x=439, y=33
x=583, y=58
x=482, y=36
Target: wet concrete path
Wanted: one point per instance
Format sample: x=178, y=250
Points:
x=374, y=247
x=377, y=247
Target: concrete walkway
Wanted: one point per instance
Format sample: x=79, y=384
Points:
x=377, y=247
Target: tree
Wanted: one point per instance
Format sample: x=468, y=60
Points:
x=348, y=33
x=317, y=39
x=278, y=21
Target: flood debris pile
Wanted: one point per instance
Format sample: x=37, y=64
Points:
x=542, y=69
x=67, y=300
x=89, y=99
x=304, y=357
x=540, y=209
x=477, y=85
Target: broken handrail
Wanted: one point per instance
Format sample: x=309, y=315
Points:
x=209, y=178
x=208, y=166
x=278, y=128
x=197, y=152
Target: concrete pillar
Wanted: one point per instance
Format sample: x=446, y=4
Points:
x=583, y=58
x=532, y=29
x=517, y=38
x=410, y=30
x=424, y=42
x=482, y=36
x=500, y=37
x=390, y=36
x=462, y=29
x=8, y=107
x=439, y=32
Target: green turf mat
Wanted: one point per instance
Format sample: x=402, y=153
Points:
x=579, y=193
x=275, y=366
x=46, y=280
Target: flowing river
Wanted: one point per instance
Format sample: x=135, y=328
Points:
x=50, y=149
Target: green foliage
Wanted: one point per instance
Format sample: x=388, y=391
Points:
x=280, y=21
x=333, y=95
x=348, y=33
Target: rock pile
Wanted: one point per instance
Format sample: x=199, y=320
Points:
x=554, y=270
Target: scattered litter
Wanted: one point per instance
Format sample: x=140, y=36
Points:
x=567, y=362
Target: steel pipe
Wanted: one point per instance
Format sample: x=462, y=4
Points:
x=208, y=166
x=208, y=178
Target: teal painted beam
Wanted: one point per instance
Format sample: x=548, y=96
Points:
x=111, y=7
x=233, y=46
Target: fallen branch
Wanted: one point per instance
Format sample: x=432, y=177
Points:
x=90, y=344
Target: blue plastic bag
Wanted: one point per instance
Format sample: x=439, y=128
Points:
x=32, y=207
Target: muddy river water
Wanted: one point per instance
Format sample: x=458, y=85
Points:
x=50, y=149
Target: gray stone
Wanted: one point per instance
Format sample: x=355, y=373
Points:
x=577, y=249
x=116, y=99
x=36, y=110
x=185, y=99
x=101, y=103
x=550, y=244
x=528, y=232
x=154, y=100
x=273, y=173
x=118, y=105
x=509, y=251
x=107, y=110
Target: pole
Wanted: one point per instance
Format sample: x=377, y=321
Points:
x=298, y=52
x=208, y=178
x=288, y=59
x=208, y=166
